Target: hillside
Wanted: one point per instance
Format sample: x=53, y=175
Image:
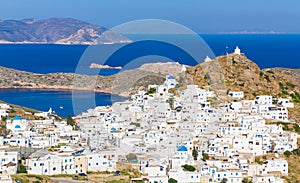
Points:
x=237, y=73
x=56, y=31
x=294, y=73
x=124, y=83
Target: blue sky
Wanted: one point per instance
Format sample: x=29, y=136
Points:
x=202, y=16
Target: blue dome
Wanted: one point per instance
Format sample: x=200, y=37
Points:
x=113, y=129
x=17, y=118
x=17, y=126
x=182, y=148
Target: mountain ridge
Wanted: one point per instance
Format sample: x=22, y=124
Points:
x=56, y=31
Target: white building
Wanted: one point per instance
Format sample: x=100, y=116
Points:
x=236, y=94
x=102, y=161
x=264, y=100
x=277, y=165
x=237, y=50
x=9, y=162
x=285, y=102
x=5, y=177
x=170, y=82
x=16, y=125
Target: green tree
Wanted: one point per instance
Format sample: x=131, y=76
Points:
x=247, y=180
x=205, y=156
x=171, y=180
x=287, y=153
x=151, y=91
x=224, y=180
x=71, y=121
x=21, y=169
x=189, y=168
x=195, y=153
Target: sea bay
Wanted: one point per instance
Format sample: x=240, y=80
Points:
x=274, y=50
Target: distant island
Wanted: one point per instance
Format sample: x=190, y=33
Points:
x=99, y=66
x=56, y=31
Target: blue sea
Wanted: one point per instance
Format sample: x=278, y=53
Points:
x=60, y=101
x=274, y=50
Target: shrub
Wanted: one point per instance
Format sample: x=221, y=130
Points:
x=151, y=91
x=206, y=77
x=189, y=168
x=246, y=180
x=259, y=161
x=205, y=157
x=195, y=153
x=261, y=74
x=281, y=86
x=224, y=180
x=21, y=169
x=296, y=152
x=171, y=180
x=287, y=153
x=71, y=121
x=290, y=85
x=296, y=128
x=267, y=78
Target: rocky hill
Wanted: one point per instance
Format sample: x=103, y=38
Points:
x=237, y=73
x=56, y=31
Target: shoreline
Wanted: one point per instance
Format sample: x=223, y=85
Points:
x=59, y=89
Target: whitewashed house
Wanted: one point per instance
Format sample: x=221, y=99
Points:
x=277, y=165
x=102, y=161
x=263, y=100
x=285, y=102
x=8, y=162
x=236, y=94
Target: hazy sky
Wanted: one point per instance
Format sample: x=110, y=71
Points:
x=202, y=16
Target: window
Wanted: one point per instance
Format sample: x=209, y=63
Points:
x=54, y=168
x=34, y=164
x=97, y=164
